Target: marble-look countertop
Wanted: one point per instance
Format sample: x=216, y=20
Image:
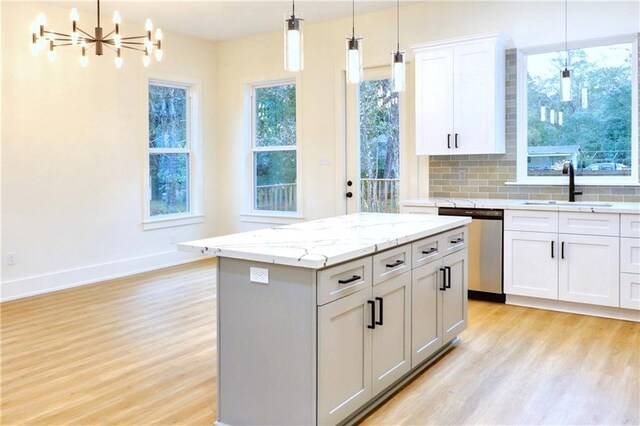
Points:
x=579, y=206
x=320, y=243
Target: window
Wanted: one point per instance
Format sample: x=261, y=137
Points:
x=596, y=130
x=171, y=150
x=274, y=145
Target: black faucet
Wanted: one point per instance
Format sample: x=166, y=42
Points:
x=567, y=168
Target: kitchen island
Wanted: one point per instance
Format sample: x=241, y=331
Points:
x=319, y=321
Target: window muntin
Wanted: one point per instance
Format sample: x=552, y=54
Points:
x=596, y=129
x=274, y=145
x=170, y=147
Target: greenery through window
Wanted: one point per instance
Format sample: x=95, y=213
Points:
x=379, y=146
x=169, y=150
x=594, y=129
x=274, y=148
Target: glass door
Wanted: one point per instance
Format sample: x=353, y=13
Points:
x=373, y=144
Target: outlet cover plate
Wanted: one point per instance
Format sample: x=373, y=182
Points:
x=259, y=275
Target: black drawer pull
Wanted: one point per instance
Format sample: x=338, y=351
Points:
x=456, y=141
x=449, y=140
x=562, y=250
x=444, y=279
x=350, y=280
x=372, y=303
x=381, y=300
x=552, y=244
x=457, y=240
x=431, y=250
x=448, y=269
x=394, y=264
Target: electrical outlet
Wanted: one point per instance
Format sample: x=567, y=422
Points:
x=11, y=258
x=324, y=160
x=259, y=275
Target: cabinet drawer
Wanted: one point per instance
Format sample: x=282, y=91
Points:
x=530, y=221
x=344, y=279
x=453, y=240
x=419, y=210
x=391, y=262
x=590, y=224
x=630, y=255
x=630, y=225
x=630, y=291
x=426, y=251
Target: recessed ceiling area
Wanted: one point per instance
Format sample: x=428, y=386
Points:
x=222, y=20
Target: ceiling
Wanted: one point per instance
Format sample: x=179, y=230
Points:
x=221, y=20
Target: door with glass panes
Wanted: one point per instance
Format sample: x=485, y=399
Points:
x=373, y=145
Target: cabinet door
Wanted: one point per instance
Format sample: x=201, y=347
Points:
x=630, y=291
x=391, y=341
x=344, y=356
x=590, y=269
x=531, y=264
x=454, y=298
x=474, y=98
x=426, y=299
x=434, y=102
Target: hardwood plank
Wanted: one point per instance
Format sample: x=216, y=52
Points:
x=142, y=351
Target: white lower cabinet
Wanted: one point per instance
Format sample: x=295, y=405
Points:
x=439, y=304
x=630, y=291
x=531, y=264
x=364, y=346
x=589, y=269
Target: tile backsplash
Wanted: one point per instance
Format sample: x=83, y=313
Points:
x=484, y=176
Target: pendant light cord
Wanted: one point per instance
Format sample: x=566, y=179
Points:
x=566, y=50
x=398, y=23
x=293, y=13
x=353, y=19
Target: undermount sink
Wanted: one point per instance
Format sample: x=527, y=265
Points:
x=567, y=203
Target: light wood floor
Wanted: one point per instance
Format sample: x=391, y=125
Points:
x=142, y=351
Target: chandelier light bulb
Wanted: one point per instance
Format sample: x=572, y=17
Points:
x=35, y=49
x=84, y=61
x=158, y=34
x=118, y=62
x=146, y=60
x=42, y=20
x=52, y=55
x=148, y=45
x=74, y=14
x=159, y=55
x=148, y=25
x=33, y=28
x=117, y=41
x=74, y=38
x=117, y=19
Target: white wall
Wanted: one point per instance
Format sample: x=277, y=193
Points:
x=260, y=58
x=73, y=155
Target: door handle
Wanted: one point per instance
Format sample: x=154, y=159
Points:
x=552, y=244
x=449, y=140
x=349, y=194
x=562, y=250
x=350, y=280
x=381, y=300
x=372, y=303
x=448, y=269
x=444, y=279
x=456, y=140
x=394, y=264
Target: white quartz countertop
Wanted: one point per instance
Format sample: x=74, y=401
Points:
x=320, y=243
x=579, y=206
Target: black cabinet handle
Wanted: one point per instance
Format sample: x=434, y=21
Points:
x=562, y=250
x=431, y=250
x=449, y=140
x=394, y=264
x=350, y=280
x=444, y=279
x=552, y=244
x=456, y=140
x=457, y=240
x=379, y=299
x=448, y=269
x=372, y=303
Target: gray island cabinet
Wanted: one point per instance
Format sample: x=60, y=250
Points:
x=319, y=321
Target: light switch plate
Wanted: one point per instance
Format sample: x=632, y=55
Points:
x=259, y=275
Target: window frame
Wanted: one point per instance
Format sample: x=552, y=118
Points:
x=193, y=149
x=275, y=216
x=522, y=114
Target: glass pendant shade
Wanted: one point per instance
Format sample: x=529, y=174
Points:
x=293, y=44
x=566, y=85
x=398, y=72
x=354, y=60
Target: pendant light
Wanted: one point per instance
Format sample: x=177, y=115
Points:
x=397, y=59
x=566, y=74
x=354, y=52
x=293, y=43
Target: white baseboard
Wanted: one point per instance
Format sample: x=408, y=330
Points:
x=46, y=283
x=575, y=308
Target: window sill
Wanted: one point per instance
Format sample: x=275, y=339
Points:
x=271, y=218
x=578, y=183
x=169, y=222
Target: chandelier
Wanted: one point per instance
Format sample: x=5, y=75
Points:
x=42, y=38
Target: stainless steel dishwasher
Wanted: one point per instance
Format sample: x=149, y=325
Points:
x=485, y=251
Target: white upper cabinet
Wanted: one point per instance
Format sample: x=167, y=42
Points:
x=460, y=96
